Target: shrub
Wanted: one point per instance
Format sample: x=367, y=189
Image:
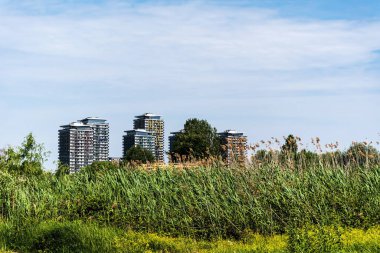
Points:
x=314, y=239
x=52, y=236
x=139, y=155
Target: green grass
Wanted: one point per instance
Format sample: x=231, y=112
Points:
x=210, y=209
x=202, y=203
x=77, y=236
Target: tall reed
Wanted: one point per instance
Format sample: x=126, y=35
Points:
x=201, y=202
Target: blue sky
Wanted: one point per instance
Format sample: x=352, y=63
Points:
x=267, y=68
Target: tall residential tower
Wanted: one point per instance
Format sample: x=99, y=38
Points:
x=139, y=137
x=83, y=142
x=101, y=137
x=173, y=158
x=234, y=146
x=154, y=124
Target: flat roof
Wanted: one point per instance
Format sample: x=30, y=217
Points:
x=93, y=118
x=178, y=132
x=75, y=124
x=138, y=131
x=230, y=132
x=148, y=115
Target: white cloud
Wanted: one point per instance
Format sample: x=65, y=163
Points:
x=254, y=39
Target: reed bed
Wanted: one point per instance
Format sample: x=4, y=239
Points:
x=199, y=202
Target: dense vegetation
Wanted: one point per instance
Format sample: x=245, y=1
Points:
x=139, y=155
x=54, y=236
x=197, y=140
x=294, y=201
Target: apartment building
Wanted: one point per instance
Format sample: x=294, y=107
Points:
x=101, y=137
x=233, y=146
x=139, y=137
x=172, y=137
x=154, y=124
x=83, y=142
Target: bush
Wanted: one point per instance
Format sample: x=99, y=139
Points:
x=52, y=236
x=139, y=155
x=314, y=239
x=24, y=160
x=362, y=154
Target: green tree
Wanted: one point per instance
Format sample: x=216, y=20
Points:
x=289, y=150
x=139, y=155
x=27, y=159
x=62, y=170
x=290, y=145
x=101, y=166
x=198, y=140
x=261, y=155
x=307, y=158
x=362, y=154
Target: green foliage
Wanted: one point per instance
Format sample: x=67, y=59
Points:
x=307, y=158
x=199, y=140
x=89, y=211
x=362, y=154
x=310, y=239
x=142, y=242
x=26, y=160
x=290, y=145
x=100, y=167
x=203, y=202
x=265, y=157
x=290, y=148
x=139, y=155
x=53, y=236
x=358, y=155
x=77, y=236
x=62, y=170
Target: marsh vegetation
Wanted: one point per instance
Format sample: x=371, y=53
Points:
x=279, y=202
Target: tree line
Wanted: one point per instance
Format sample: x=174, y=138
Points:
x=199, y=141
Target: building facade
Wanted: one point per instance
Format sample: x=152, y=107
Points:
x=233, y=146
x=154, y=124
x=83, y=142
x=173, y=158
x=139, y=137
x=101, y=137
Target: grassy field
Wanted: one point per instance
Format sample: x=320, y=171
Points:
x=77, y=236
x=218, y=209
x=202, y=203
